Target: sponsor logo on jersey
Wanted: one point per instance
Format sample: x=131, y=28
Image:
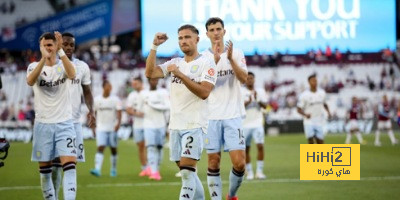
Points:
x=52, y=83
x=225, y=72
x=210, y=78
x=211, y=72
x=75, y=81
x=243, y=60
x=177, y=80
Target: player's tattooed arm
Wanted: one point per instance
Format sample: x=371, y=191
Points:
x=152, y=70
x=240, y=74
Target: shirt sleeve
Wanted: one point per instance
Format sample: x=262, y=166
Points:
x=165, y=65
x=262, y=96
x=240, y=59
x=86, y=74
x=324, y=97
x=209, y=73
x=118, y=105
x=30, y=68
x=129, y=100
x=301, y=103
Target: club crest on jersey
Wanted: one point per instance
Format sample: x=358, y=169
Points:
x=59, y=70
x=194, y=69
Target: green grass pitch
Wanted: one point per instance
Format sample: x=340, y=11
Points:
x=380, y=174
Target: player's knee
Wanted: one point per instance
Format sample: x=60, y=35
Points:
x=141, y=145
x=260, y=147
x=214, y=161
x=56, y=162
x=100, y=149
x=247, y=150
x=239, y=165
x=114, y=151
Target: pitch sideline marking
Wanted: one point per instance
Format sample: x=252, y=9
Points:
x=382, y=178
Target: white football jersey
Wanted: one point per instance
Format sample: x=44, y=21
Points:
x=52, y=94
x=106, y=112
x=82, y=78
x=188, y=111
x=313, y=103
x=226, y=101
x=156, y=102
x=135, y=101
x=254, y=115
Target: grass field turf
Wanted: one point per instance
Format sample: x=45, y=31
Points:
x=380, y=174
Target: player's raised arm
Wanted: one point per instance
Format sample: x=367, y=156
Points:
x=240, y=74
x=68, y=66
x=152, y=70
x=34, y=74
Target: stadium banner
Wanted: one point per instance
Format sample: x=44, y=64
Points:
x=91, y=21
x=269, y=26
x=329, y=161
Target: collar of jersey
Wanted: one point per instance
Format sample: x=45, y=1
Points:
x=213, y=51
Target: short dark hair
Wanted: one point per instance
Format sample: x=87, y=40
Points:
x=106, y=82
x=47, y=36
x=214, y=20
x=312, y=76
x=251, y=74
x=138, y=78
x=68, y=34
x=190, y=27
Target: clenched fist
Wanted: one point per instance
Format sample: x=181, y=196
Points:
x=160, y=38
